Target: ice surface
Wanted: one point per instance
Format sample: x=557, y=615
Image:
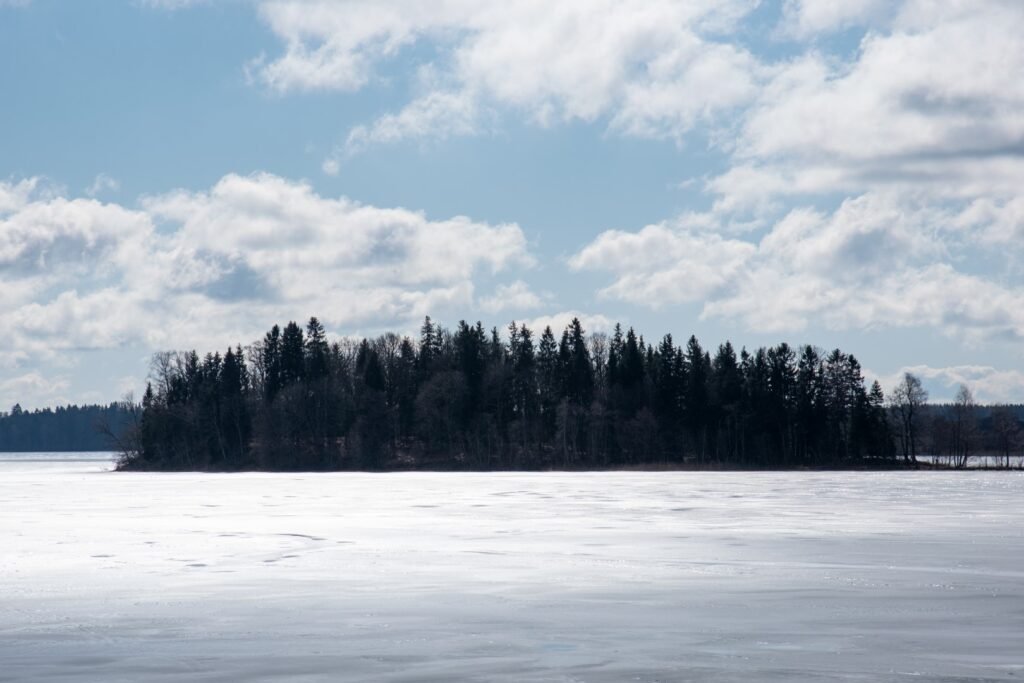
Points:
x=509, y=577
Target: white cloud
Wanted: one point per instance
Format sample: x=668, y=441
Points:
x=684, y=87
x=32, y=390
x=227, y=262
x=877, y=261
x=931, y=99
x=516, y=296
x=660, y=266
x=998, y=222
x=130, y=384
x=54, y=239
x=103, y=183
x=936, y=296
x=334, y=45
x=295, y=239
x=916, y=140
x=592, y=322
x=331, y=166
x=804, y=18
x=13, y=196
x=654, y=68
x=928, y=104
x=988, y=384
x=435, y=115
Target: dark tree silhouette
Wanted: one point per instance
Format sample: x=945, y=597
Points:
x=69, y=428
x=468, y=399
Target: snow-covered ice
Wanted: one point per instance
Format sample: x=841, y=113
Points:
x=646, y=576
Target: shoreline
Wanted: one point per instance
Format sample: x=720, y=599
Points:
x=652, y=467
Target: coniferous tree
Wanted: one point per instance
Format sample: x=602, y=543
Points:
x=270, y=359
x=669, y=388
x=467, y=399
x=293, y=355
x=726, y=396
x=696, y=396
x=316, y=350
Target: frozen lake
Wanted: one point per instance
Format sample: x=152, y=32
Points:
x=508, y=577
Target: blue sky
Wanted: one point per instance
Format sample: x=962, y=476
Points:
x=179, y=174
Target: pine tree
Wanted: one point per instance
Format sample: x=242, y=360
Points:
x=696, y=397
x=429, y=346
x=293, y=361
x=580, y=377
x=271, y=352
x=668, y=393
x=316, y=350
x=726, y=398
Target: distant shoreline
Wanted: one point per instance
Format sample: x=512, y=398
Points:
x=652, y=467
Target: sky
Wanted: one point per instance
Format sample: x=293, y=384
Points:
x=180, y=174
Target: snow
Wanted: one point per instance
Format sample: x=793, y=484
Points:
x=641, y=576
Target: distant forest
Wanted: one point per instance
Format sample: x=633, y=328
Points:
x=67, y=428
x=472, y=399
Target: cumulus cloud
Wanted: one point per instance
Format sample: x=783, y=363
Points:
x=592, y=323
x=805, y=18
x=516, y=296
x=13, y=196
x=32, y=390
x=988, y=384
x=929, y=103
x=652, y=68
x=659, y=266
x=435, y=115
x=60, y=237
x=879, y=189
x=930, y=97
x=876, y=261
x=207, y=268
x=1000, y=222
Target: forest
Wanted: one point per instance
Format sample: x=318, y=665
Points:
x=65, y=428
x=472, y=399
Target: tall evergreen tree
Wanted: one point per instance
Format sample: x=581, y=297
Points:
x=316, y=350
x=293, y=355
x=271, y=360
x=696, y=397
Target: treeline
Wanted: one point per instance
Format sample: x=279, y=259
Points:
x=66, y=428
x=959, y=433
x=471, y=399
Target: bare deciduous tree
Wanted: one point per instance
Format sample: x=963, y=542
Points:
x=127, y=440
x=907, y=400
x=963, y=427
x=1007, y=430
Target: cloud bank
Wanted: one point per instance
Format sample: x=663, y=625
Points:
x=207, y=268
